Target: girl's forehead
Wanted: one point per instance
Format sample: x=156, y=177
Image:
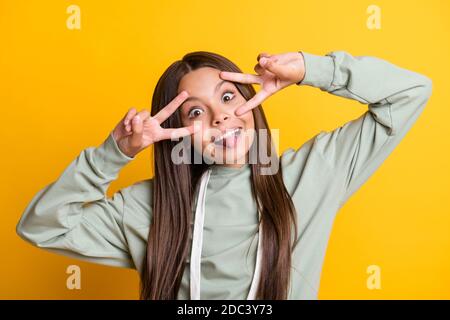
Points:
x=200, y=80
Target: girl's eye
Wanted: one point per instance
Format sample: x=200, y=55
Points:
x=194, y=112
x=228, y=94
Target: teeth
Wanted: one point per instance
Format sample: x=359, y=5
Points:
x=226, y=135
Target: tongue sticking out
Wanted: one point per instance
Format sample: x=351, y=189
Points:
x=230, y=142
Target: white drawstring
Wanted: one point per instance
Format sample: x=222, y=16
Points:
x=197, y=243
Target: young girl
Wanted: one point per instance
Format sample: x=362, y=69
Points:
x=225, y=230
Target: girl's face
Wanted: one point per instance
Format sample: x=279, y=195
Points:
x=212, y=103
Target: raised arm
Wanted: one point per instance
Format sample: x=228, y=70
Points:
x=72, y=216
x=395, y=98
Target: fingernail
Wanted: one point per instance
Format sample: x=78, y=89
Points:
x=263, y=61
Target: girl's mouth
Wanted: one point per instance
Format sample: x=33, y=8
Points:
x=229, y=139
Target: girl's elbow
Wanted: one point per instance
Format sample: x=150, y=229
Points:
x=426, y=87
x=23, y=230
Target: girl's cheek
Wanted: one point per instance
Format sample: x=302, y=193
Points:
x=201, y=138
x=248, y=118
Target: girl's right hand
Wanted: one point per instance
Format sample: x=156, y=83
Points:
x=136, y=131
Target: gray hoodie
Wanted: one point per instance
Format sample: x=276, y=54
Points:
x=72, y=216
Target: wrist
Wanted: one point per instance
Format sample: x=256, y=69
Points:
x=319, y=70
x=120, y=148
x=302, y=59
x=108, y=158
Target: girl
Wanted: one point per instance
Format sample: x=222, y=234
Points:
x=253, y=235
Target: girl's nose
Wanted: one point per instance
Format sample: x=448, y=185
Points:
x=220, y=118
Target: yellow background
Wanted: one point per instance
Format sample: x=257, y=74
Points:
x=64, y=90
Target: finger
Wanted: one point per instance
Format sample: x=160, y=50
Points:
x=260, y=70
x=165, y=112
x=175, y=133
x=127, y=120
x=252, y=103
x=241, y=77
x=138, y=130
x=130, y=114
x=144, y=115
x=273, y=66
x=263, y=54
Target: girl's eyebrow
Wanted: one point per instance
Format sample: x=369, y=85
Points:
x=215, y=90
x=220, y=84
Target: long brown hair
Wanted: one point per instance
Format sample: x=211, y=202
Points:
x=174, y=187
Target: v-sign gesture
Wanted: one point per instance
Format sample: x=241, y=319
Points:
x=275, y=72
x=136, y=131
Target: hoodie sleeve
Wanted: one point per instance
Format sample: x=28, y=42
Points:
x=395, y=98
x=72, y=216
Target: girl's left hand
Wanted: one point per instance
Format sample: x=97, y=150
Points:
x=275, y=72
